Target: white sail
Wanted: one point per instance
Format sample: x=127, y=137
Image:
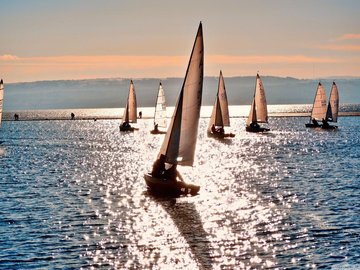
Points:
x=319, y=106
x=180, y=139
x=130, y=112
x=333, y=105
x=160, y=108
x=1, y=98
x=258, y=112
x=220, y=113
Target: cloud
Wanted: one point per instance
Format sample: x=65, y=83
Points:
x=349, y=37
x=8, y=57
x=344, y=48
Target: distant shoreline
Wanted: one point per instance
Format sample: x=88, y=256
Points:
x=88, y=118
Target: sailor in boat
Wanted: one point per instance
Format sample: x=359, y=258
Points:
x=159, y=170
x=219, y=130
x=254, y=125
x=156, y=127
x=325, y=123
x=316, y=124
x=126, y=124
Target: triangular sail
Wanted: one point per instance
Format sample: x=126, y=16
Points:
x=258, y=112
x=319, y=106
x=130, y=112
x=180, y=139
x=333, y=105
x=1, y=98
x=220, y=113
x=160, y=108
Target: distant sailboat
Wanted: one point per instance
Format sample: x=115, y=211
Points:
x=258, y=112
x=1, y=98
x=130, y=112
x=318, y=112
x=160, y=112
x=332, y=108
x=178, y=147
x=220, y=113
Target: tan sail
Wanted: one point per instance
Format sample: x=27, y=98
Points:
x=319, y=106
x=258, y=112
x=180, y=139
x=1, y=98
x=160, y=108
x=333, y=105
x=130, y=112
x=220, y=113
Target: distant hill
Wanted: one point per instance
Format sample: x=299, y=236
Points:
x=112, y=93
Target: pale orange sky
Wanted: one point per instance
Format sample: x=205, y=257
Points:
x=70, y=40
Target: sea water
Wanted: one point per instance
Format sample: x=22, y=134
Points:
x=72, y=195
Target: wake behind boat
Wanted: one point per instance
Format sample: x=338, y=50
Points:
x=130, y=111
x=258, y=112
x=178, y=147
x=220, y=113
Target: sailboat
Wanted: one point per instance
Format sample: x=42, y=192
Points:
x=1, y=98
x=318, y=112
x=258, y=112
x=332, y=108
x=178, y=147
x=130, y=114
x=220, y=113
x=160, y=112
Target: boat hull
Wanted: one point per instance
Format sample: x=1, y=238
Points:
x=170, y=188
x=329, y=127
x=157, y=132
x=259, y=129
x=310, y=125
x=129, y=129
x=221, y=135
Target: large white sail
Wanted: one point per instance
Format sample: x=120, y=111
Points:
x=160, y=108
x=319, y=106
x=1, y=98
x=333, y=105
x=258, y=112
x=180, y=139
x=220, y=113
x=130, y=112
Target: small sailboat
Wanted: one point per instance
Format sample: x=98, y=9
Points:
x=160, y=112
x=1, y=98
x=258, y=112
x=130, y=112
x=220, y=113
x=178, y=147
x=318, y=112
x=332, y=108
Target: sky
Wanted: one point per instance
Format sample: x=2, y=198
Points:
x=84, y=39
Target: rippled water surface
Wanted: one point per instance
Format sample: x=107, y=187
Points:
x=72, y=195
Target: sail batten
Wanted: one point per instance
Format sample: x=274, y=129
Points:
x=180, y=139
x=319, y=106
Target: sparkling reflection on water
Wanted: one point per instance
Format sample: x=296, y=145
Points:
x=72, y=195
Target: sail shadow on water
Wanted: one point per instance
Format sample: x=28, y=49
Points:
x=188, y=222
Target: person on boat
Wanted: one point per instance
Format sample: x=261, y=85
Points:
x=316, y=124
x=140, y=114
x=126, y=125
x=16, y=117
x=254, y=125
x=172, y=173
x=158, y=169
x=213, y=129
x=72, y=116
x=325, y=123
x=156, y=127
x=220, y=130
